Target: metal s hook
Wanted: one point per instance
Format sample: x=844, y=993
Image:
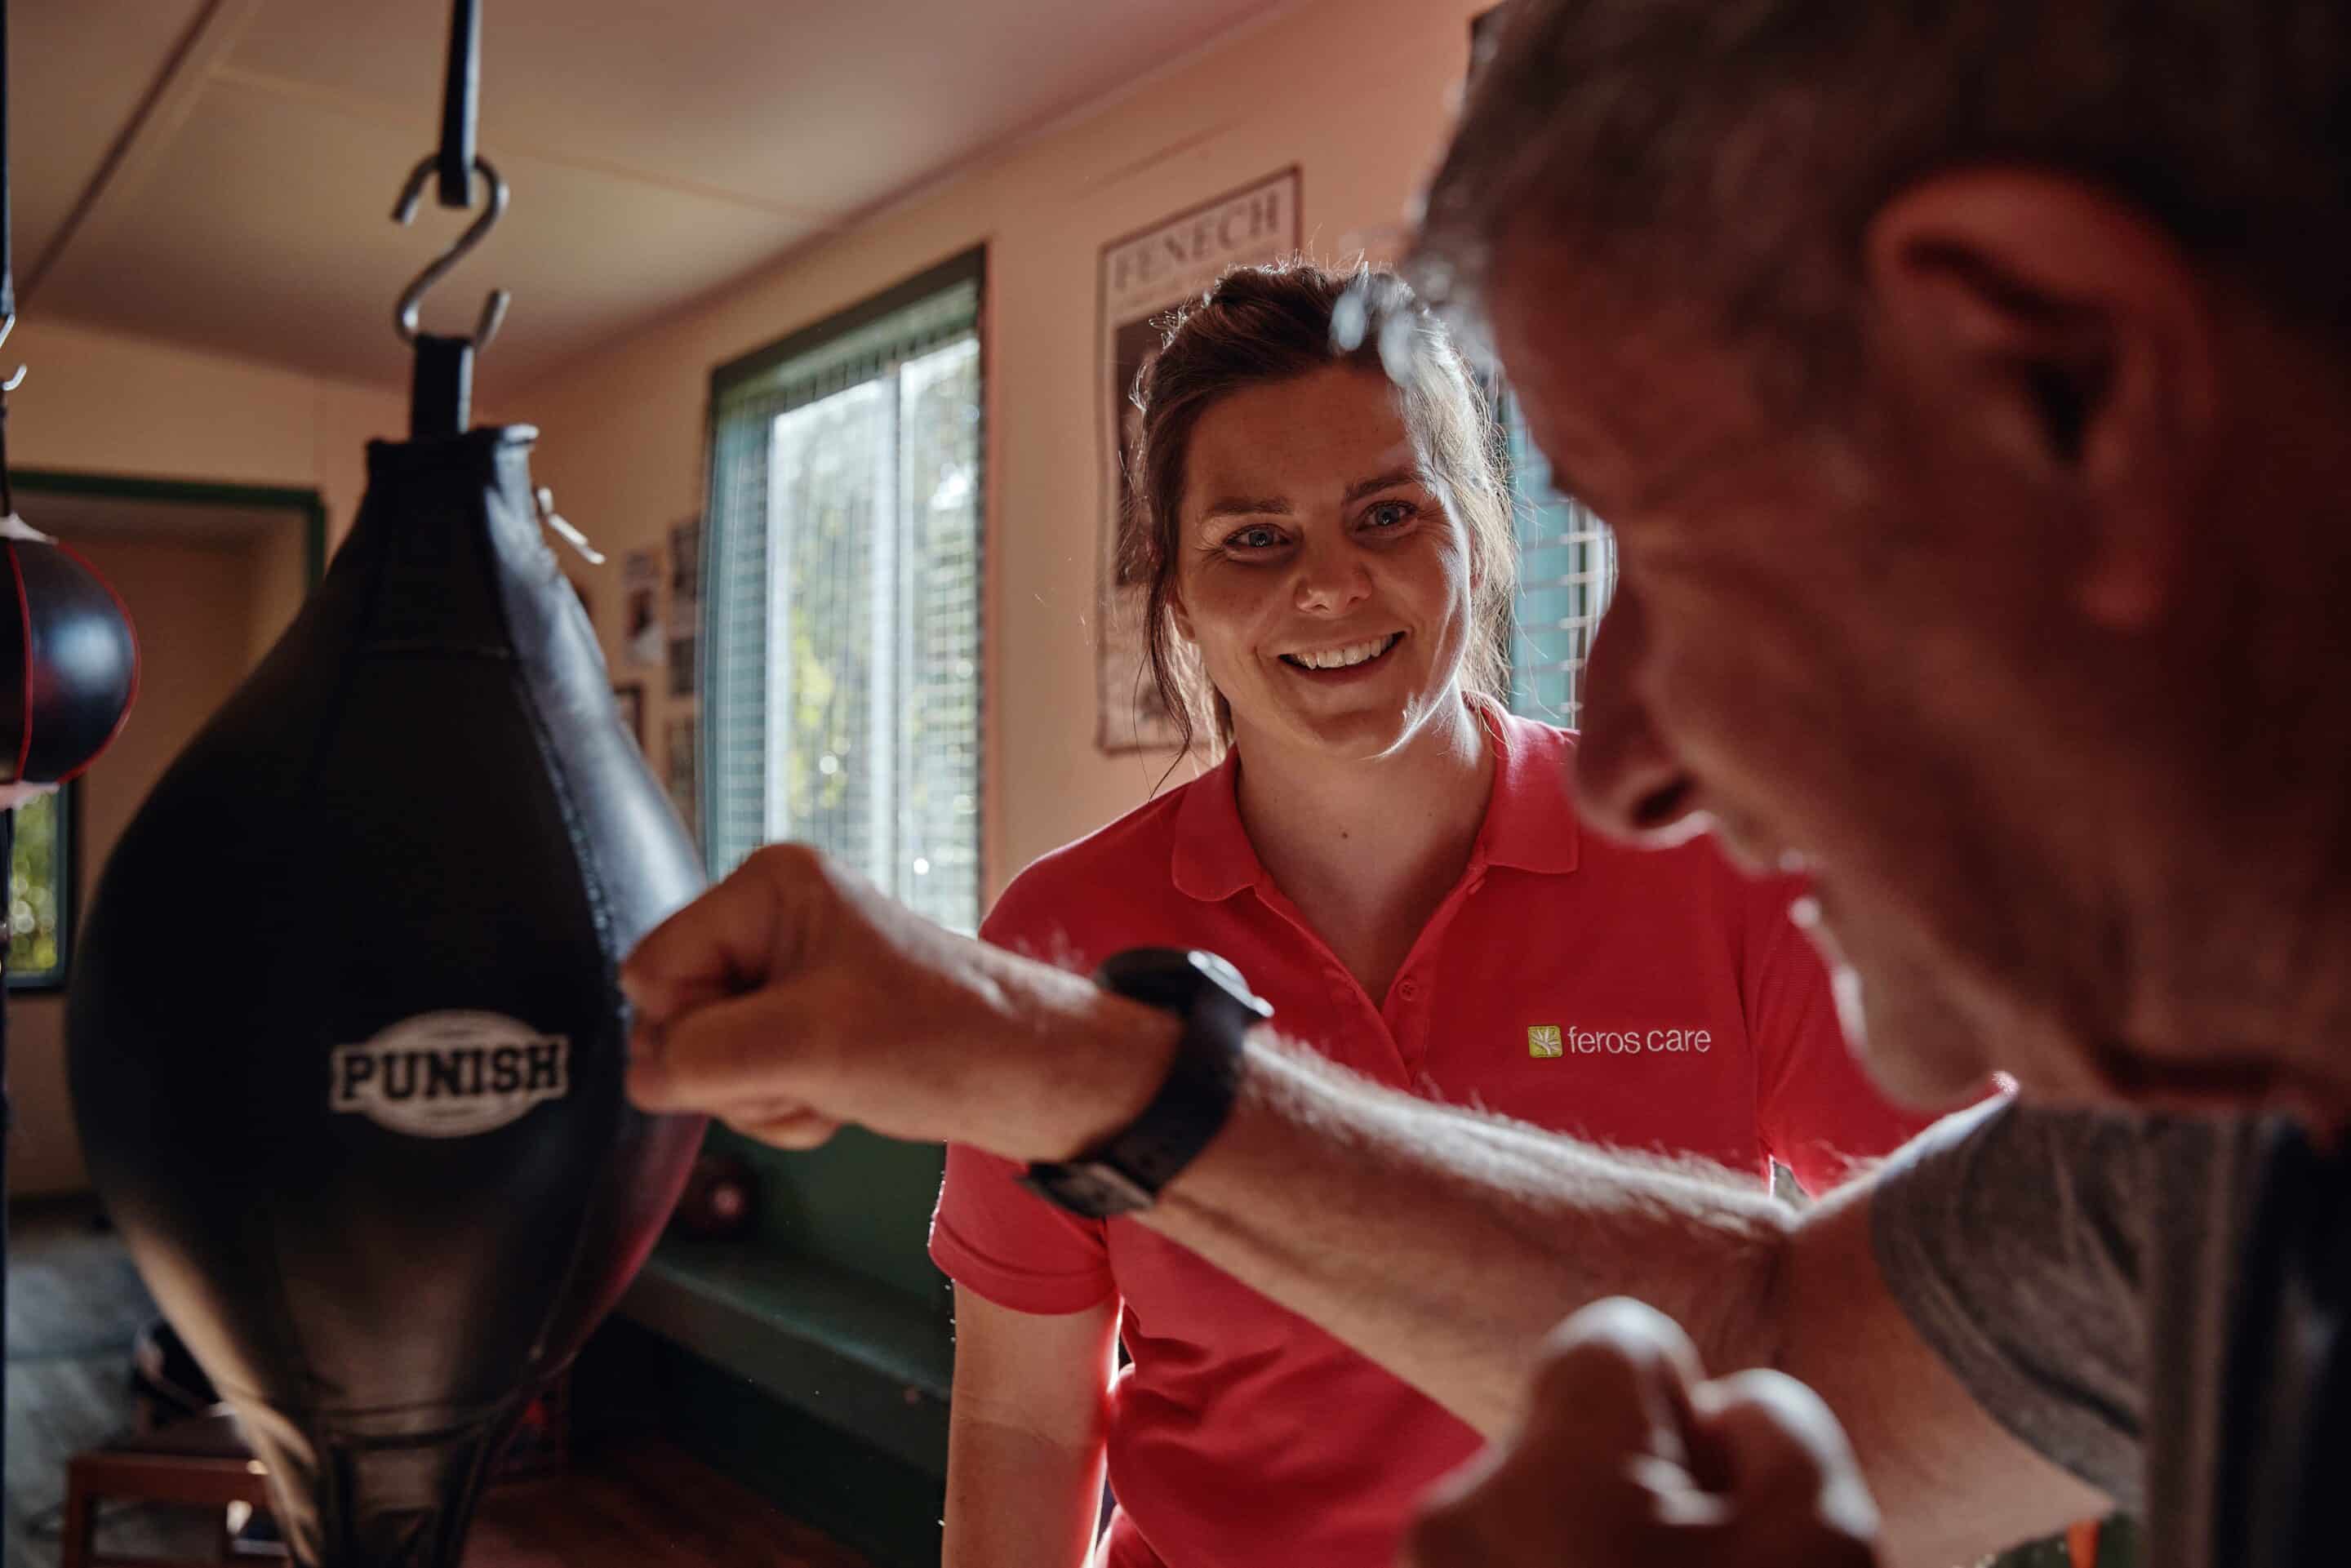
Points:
x=16, y=378
x=412, y=298
x=544, y=498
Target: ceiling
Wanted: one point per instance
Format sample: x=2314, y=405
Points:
x=221, y=173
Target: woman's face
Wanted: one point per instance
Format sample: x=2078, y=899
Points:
x=1325, y=583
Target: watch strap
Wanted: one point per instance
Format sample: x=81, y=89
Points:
x=1127, y=1171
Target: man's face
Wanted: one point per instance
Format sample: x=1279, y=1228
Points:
x=1826, y=641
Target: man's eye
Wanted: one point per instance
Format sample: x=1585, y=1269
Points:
x=1256, y=538
x=1389, y=514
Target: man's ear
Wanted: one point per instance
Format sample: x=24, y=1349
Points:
x=2070, y=339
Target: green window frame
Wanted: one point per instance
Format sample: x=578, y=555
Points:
x=43, y=878
x=843, y=634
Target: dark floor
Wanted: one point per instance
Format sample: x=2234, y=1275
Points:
x=75, y=1303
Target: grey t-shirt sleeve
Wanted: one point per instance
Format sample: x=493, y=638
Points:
x=2016, y=1238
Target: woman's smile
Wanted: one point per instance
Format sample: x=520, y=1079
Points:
x=1336, y=662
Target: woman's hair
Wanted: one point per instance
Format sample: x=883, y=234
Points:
x=1276, y=323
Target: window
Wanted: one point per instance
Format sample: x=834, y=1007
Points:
x=1567, y=569
x=40, y=892
x=842, y=700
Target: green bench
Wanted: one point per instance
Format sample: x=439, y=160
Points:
x=811, y=1361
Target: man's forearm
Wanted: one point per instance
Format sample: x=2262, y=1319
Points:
x=1444, y=1244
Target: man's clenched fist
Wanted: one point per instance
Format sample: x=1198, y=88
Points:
x=793, y=998
x=1630, y=1459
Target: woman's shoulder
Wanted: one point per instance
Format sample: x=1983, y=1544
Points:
x=1122, y=861
x=1697, y=866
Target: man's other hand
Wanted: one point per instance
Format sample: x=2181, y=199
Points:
x=1629, y=1458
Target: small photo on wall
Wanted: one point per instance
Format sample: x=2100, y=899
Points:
x=682, y=744
x=642, y=638
x=629, y=696
x=685, y=563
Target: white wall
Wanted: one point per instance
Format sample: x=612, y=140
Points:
x=99, y=402
x=1356, y=92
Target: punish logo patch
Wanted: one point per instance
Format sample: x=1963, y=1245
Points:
x=449, y=1074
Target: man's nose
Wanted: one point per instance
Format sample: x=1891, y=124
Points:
x=1331, y=578
x=1630, y=784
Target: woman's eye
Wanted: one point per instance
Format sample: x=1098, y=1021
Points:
x=1389, y=514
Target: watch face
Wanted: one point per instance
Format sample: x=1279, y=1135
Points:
x=1172, y=978
x=1220, y=969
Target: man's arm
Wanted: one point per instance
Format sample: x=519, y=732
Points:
x=1446, y=1246
x=1437, y=1242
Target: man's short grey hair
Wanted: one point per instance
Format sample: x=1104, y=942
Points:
x=1732, y=152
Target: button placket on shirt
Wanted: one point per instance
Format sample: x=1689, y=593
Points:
x=1346, y=995
x=1408, y=1011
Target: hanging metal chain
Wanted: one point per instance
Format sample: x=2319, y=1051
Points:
x=441, y=388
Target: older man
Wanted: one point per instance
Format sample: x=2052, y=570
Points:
x=1967, y=382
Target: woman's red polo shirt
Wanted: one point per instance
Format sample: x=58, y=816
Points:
x=1651, y=1001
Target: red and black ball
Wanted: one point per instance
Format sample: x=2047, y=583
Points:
x=69, y=660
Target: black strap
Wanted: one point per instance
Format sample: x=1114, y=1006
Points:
x=7, y=214
x=461, y=99
x=7, y=261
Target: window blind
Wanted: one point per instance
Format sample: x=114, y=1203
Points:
x=842, y=704
x=1567, y=570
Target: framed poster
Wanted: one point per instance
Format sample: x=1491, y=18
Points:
x=1140, y=278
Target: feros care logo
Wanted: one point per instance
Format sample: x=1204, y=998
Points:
x=1548, y=1040
x=449, y=1075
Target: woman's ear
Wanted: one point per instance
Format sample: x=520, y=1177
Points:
x=1180, y=617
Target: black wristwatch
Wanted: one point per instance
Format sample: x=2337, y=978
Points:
x=1126, y=1172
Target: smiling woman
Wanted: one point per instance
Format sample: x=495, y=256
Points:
x=1393, y=863
x=1392, y=421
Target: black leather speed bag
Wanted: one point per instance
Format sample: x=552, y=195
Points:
x=347, y=1044
x=68, y=659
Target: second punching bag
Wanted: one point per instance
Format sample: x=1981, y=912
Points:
x=347, y=1042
